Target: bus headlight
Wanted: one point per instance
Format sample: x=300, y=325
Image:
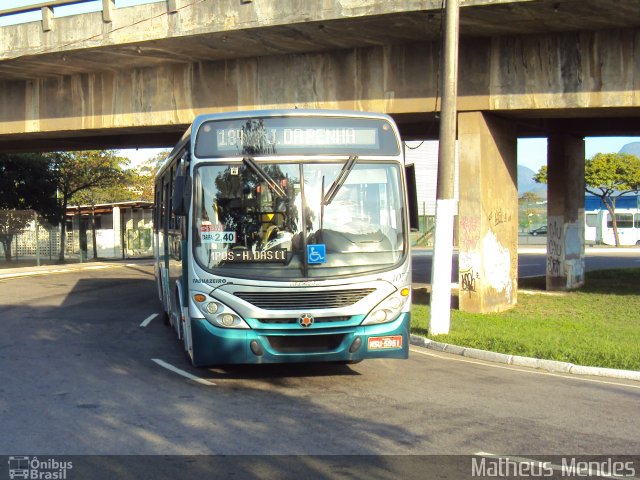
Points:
x=389, y=309
x=211, y=307
x=218, y=314
x=229, y=320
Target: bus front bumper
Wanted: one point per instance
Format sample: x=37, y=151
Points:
x=217, y=346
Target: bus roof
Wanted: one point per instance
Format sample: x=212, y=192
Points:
x=291, y=112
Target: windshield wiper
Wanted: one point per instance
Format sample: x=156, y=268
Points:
x=265, y=176
x=339, y=181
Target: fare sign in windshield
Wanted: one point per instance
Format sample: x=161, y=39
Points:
x=295, y=135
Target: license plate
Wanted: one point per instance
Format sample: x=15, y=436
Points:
x=383, y=343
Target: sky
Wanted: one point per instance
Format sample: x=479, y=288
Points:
x=532, y=152
x=137, y=156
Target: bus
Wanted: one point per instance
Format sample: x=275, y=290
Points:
x=599, y=226
x=283, y=236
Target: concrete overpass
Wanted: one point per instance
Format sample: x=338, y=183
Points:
x=136, y=76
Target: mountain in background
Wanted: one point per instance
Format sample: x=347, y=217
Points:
x=526, y=183
x=631, y=148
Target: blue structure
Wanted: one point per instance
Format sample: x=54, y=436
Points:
x=591, y=202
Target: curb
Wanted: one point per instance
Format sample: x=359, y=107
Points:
x=542, y=364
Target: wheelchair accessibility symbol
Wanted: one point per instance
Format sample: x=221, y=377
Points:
x=316, y=253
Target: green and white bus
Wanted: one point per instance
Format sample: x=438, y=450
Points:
x=283, y=236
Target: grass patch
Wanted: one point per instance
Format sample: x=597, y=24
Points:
x=597, y=325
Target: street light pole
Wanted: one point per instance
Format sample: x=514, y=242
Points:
x=446, y=205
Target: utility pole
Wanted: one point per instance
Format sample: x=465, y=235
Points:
x=446, y=205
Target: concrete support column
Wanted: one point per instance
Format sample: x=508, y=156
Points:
x=117, y=233
x=488, y=213
x=565, y=212
x=75, y=228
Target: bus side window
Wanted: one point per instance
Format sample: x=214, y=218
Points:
x=157, y=209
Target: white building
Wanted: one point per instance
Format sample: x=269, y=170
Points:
x=424, y=155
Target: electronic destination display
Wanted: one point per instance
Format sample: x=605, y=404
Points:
x=295, y=135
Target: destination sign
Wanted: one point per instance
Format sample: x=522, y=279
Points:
x=295, y=135
x=278, y=255
x=237, y=139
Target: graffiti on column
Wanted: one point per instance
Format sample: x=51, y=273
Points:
x=555, y=250
x=469, y=259
x=469, y=233
x=499, y=216
x=468, y=280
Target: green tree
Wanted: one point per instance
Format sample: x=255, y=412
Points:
x=530, y=197
x=135, y=185
x=81, y=171
x=144, y=181
x=27, y=184
x=541, y=176
x=608, y=176
x=529, y=209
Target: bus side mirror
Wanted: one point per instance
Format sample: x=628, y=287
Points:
x=412, y=194
x=181, y=195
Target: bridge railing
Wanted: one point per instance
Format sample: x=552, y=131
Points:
x=41, y=5
x=47, y=9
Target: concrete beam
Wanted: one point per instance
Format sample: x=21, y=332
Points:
x=360, y=79
x=396, y=79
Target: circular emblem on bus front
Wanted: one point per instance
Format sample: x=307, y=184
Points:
x=305, y=320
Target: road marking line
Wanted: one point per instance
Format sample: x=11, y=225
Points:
x=524, y=370
x=147, y=320
x=182, y=372
x=559, y=468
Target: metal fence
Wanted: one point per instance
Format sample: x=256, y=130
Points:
x=23, y=234
x=26, y=236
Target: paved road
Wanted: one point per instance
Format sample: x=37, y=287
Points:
x=77, y=378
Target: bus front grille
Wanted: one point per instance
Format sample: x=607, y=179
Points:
x=305, y=343
x=305, y=300
x=286, y=321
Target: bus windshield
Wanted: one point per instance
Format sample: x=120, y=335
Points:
x=268, y=220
